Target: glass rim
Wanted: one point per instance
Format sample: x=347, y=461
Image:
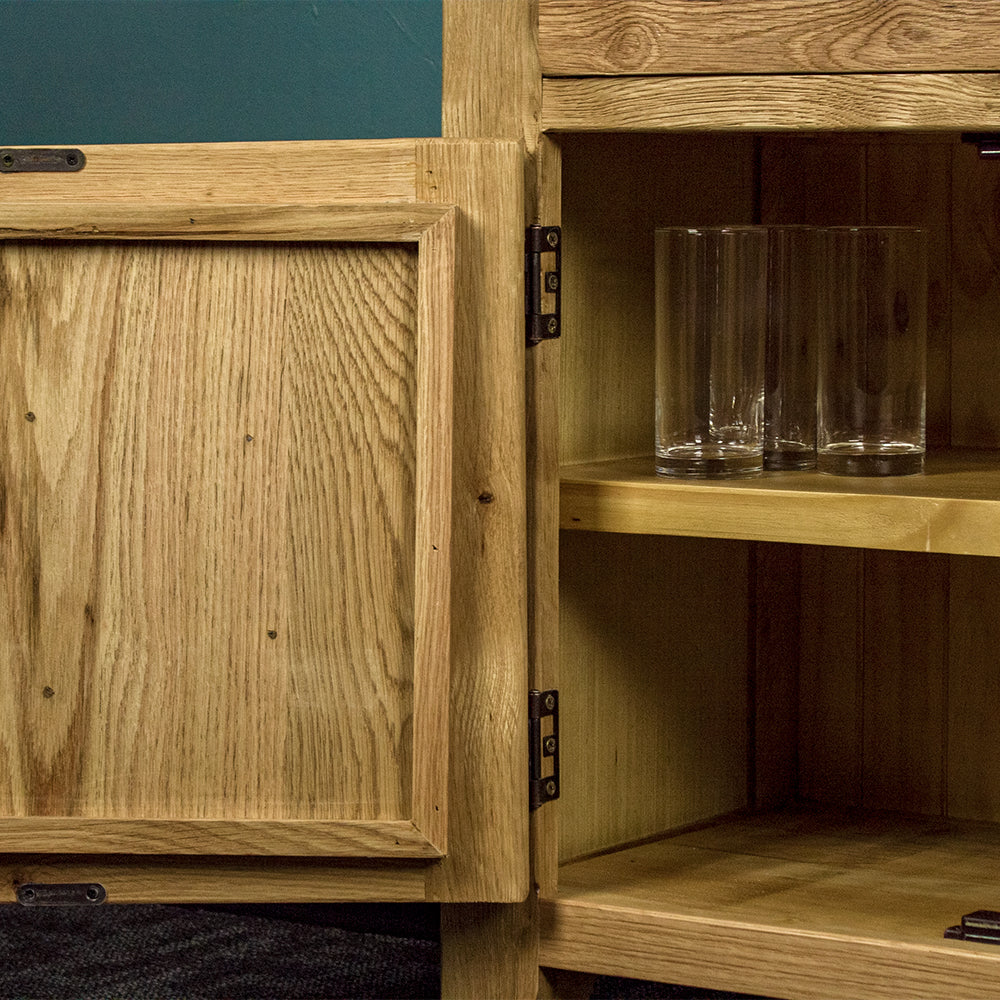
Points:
x=711, y=230
x=801, y=226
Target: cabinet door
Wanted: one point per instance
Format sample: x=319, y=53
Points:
x=229, y=529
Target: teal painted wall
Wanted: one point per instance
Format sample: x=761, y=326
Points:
x=94, y=71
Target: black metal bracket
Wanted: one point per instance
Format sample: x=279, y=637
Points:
x=988, y=143
x=981, y=925
x=542, y=324
x=36, y=160
x=66, y=894
x=543, y=746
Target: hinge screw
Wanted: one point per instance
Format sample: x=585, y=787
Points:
x=550, y=701
x=550, y=788
x=553, y=325
x=552, y=237
x=550, y=745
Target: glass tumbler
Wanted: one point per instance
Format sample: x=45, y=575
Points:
x=873, y=346
x=794, y=280
x=711, y=309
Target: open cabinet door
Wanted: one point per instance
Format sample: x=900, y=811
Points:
x=261, y=523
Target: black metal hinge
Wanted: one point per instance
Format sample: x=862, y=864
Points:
x=987, y=142
x=543, y=747
x=62, y=894
x=36, y=160
x=982, y=925
x=542, y=277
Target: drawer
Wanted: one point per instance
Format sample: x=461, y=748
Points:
x=628, y=37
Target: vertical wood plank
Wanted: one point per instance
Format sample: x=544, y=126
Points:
x=775, y=682
x=812, y=181
x=831, y=676
x=909, y=184
x=973, y=689
x=975, y=299
x=905, y=681
x=490, y=951
x=542, y=364
x=822, y=181
x=492, y=81
x=488, y=745
x=607, y=388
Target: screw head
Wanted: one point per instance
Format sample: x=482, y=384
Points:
x=553, y=325
x=550, y=788
x=550, y=745
x=552, y=237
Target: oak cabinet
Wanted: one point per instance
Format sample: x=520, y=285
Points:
x=257, y=462
x=772, y=692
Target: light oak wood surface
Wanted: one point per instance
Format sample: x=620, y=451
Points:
x=790, y=904
x=485, y=859
x=628, y=37
x=953, y=508
x=941, y=101
x=168, y=634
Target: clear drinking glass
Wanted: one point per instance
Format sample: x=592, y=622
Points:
x=873, y=346
x=795, y=276
x=711, y=304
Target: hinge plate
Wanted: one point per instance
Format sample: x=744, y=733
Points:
x=543, y=747
x=542, y=276
x=61, y=894
x=36, y=160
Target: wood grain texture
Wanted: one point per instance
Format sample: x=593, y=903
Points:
x=244, y=661
x=973, y=778
x=488, y=749
x=831, y=676
x=222, y=878
x=906, y=628
x=975, y=300
x=654, y=674
x=490, y=951
x=376, y=171
x=774, y=681
x=628, y=37
x=951, y=509
x=491, y=80
x=542, y=368
x=890, y=101
x=813, y=907
x=910, y=183
x=480, y=857
x=283, y=838
x=607, y=385
x=277, y=222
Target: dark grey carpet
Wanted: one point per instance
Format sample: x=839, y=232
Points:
x=160, y=952
x=288, y=952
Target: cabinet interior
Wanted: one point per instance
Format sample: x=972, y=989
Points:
x=706, y=677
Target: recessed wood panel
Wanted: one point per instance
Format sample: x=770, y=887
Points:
x=212, y=504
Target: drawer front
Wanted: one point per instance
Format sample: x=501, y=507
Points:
x=595, y=37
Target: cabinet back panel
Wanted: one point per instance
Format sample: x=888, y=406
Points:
x=616, y=191
x=618, y=188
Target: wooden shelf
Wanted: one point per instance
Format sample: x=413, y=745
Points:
x=953, y=508
x=799, y=902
